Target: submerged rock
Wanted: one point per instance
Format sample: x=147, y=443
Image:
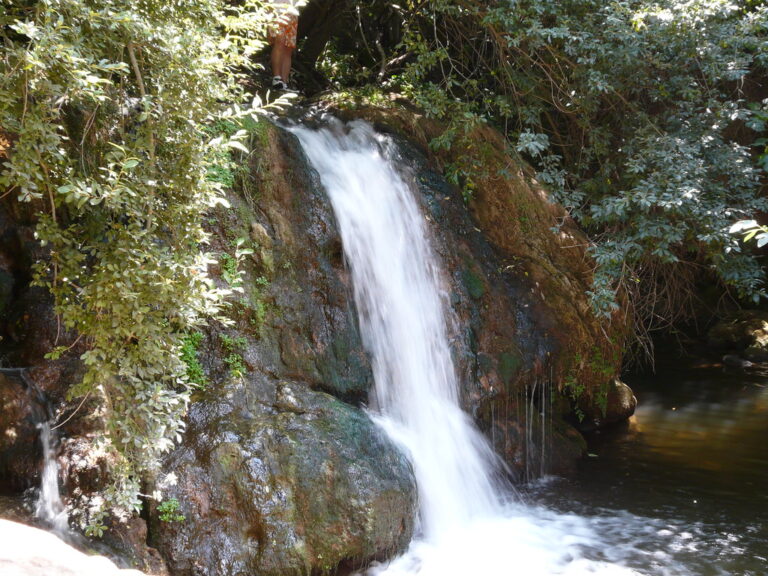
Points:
x=617, y=405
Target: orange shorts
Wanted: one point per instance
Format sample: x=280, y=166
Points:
x=283, y=29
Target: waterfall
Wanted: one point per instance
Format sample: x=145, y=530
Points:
x=469, y=523
x=397, y=290
x=50, y=508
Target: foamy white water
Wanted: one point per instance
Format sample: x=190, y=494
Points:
x=50, y=507
x=468, y=525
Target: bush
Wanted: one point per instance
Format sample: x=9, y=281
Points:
x=629, y=111
x=109, y=105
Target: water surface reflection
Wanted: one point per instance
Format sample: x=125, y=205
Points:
x=688, y=474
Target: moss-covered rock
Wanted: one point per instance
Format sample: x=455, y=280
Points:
x=518, y=288
x=295, y=488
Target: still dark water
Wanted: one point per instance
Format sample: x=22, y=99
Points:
x=683, y=487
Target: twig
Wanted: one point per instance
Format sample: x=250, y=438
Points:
x=143, y=94
x=73, y=413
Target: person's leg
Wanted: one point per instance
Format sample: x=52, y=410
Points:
x=280, y=52
x=285, y=66
x=283, y=44
x=288, y=39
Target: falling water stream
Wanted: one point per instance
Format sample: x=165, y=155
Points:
x=470, y=521
x=50, y=508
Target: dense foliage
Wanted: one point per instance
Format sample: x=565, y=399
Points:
x=108, y=105
x=639, y=116
x=644, y=118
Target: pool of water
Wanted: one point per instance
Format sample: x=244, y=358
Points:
x=682, y=488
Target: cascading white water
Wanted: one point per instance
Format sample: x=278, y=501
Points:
x=468, y=523
x=396, y=284
x=50, y=507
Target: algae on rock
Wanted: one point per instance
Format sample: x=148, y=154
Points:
x=280, y=472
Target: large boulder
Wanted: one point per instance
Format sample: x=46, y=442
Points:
x=298, y=488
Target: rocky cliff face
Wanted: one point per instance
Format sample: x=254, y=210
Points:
x=531, y=352
x=281, y=471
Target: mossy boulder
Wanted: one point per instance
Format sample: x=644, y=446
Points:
x=297, y=487
x=519, y=275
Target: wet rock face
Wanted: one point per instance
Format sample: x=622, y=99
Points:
x=297, y=310
x=525, y=327
x=297, y=487
x=32, y=387
x=744, y=334
x=280, y=472
x=19, y=450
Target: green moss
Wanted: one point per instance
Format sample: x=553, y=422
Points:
x=474, y=282
x=168, y=511
x=509, y=364
x=574, y=390
x=229, y=269
x=484, y=363
x=258, y=130
x=598, y=366
x=220, y=171
x=229, y=457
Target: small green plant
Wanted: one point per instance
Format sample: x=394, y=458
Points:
x=229, y=269
x=234, y=359
x=230, y=265
x=95, y=527
x=190, y=345
x=168, y=511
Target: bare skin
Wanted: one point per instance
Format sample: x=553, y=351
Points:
x=281, y=59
